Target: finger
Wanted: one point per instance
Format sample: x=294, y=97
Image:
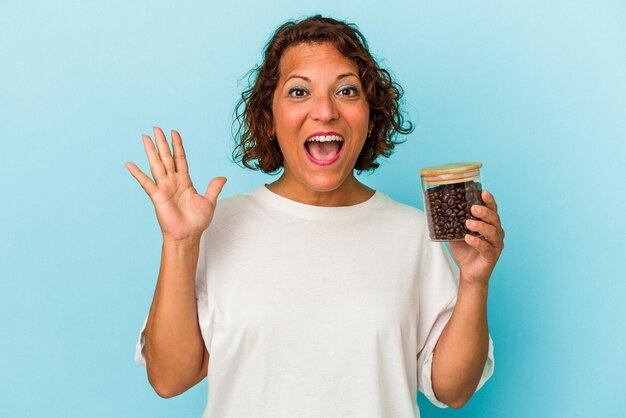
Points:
x=489, y=232
x=164, y=150
x=179, y=153
x=489, y=200
x=145, y=182
x=487, y=215
x=214, y=188
x=486, y=250
x=156, y=165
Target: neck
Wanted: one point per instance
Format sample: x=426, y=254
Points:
x=351, y=192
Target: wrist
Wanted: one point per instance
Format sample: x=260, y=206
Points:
x=190, y=241
x=474, y=290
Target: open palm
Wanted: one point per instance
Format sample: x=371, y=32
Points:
x=182, y=212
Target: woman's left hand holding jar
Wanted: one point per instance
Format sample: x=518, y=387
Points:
x=475, y=256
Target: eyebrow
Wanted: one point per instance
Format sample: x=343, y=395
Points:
x=339, y=77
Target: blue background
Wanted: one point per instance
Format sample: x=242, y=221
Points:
x=535, y=90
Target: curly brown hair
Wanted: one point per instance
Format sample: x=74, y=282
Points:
x=253, y=113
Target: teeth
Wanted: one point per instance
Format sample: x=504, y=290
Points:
x=325, y=138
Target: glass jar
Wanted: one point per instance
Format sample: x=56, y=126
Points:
x=449, y=191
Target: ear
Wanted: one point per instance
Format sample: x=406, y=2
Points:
x=270, y=131
x=370, y=126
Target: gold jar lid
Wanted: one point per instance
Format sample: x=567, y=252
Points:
x=451, y=173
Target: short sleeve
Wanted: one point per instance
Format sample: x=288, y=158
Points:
x=140, y=354
x=438, y=288
x=201, y=303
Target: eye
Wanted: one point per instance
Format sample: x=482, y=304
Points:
x=297, y=91
x=349, y=91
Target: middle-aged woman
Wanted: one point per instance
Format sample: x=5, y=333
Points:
x=315, y=295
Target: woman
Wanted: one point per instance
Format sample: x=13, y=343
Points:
x=313, y=296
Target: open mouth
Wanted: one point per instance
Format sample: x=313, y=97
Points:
x=324, y=149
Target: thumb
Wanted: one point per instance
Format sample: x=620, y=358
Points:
x=214, y=188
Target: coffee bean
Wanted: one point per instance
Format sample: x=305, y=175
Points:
x=448, y=207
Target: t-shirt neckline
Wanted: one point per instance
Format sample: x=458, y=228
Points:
x=269, y=198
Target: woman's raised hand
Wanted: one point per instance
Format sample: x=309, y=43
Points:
x=182, y=212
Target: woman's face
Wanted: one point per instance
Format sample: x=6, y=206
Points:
x=319, y=97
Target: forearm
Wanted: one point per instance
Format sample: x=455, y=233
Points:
x=174, y=346
x=461, y=352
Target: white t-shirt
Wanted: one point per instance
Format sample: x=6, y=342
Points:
x=312, y=311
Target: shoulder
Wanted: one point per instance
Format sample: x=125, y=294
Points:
x=403, y=213
x=235, y=202
x=231, y=208
x=237, y=212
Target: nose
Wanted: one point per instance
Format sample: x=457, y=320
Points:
x=324, y=109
